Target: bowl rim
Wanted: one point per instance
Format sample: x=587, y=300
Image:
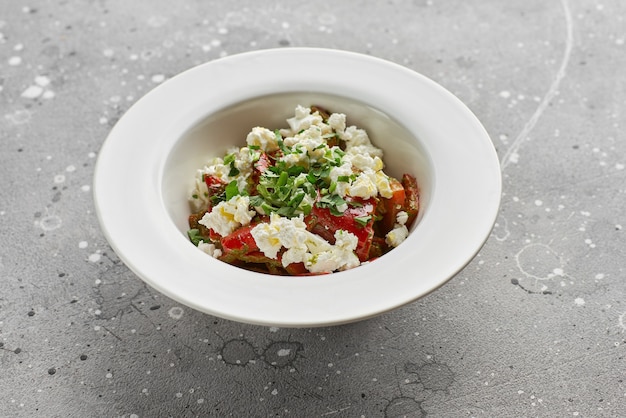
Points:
x=466, y=175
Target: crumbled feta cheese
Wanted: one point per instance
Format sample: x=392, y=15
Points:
x=279, y=232
x=383, y=185
x=263, y=138
x=303, y=119
x=199, y=193
x=367, y=149
x=364, y=186
x=355, y=136
x=217, y=168
x=402, y=217
x=397, y=235
x=337, y=121
x=210, y=249
x=317, y=254
x=228, y=215
x=399, y=232
x=340, y=256
x=344, y=170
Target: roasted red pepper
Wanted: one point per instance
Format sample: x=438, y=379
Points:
x=392, y=206
x=411, y=203
x=358, y=219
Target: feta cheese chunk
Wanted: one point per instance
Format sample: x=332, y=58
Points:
x=210, y=249
x=302, y=246
x=303, y=119
x=228, y=215
x=399, y=232
x=340, y=256
x=262, y=138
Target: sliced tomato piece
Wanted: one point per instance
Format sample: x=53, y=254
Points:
x=411, y=203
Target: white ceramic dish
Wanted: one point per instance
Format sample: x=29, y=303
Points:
x=147, y=164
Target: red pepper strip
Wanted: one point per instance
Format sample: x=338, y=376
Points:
x=378, y=248
x=392, y=206
x=323, y=223
x=297, y=269
x=240, y=247
x=411, y=204
x=239, y=242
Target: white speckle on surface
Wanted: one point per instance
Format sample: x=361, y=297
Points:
x=70, y=168
x=579, y=301
x=619, y=166
x=18, y=117
x=176, y=312
x=48, y=94
x=109, y=375
x=108, y=52
x=32, y=92
x=94, y=258
x=505, y=94
x=83, y=244
x=59, y=178
x=15, y=61
x=42, y=81
x=283, y=352
x=514, y=158
x=600, y=276
x=49, y=223
x=200, y=401
x=158, y=78
x=274, y=329
x=275, y=392
x=558, y=272
x=538, y=202
x=179, y=395
x=157, y=21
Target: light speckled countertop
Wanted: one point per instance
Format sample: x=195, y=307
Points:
x=534, y=326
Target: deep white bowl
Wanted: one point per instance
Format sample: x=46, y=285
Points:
x=147, y=165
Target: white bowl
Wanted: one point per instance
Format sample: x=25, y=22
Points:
x=148, y=162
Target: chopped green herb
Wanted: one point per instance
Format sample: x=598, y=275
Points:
x=363, y=220
x=230, y=158
x=231, y=190
x=233, y=170
x=333, y=202
x=194, y=236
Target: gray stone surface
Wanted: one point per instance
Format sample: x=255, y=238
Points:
x=534, y=326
